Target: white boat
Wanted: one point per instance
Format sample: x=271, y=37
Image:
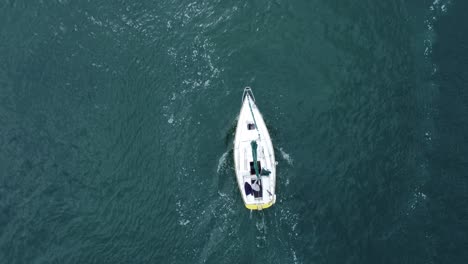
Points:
x=252, y=142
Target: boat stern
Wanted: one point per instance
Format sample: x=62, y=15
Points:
x=261, y=206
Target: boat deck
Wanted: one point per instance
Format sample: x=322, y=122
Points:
x=246, y=132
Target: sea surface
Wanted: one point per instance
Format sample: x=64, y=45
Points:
x=117, y=120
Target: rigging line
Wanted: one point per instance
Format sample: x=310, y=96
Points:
x=251, y=111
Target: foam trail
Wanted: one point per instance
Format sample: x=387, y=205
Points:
x=437, y=8
x=286, y=157
x=222, y=161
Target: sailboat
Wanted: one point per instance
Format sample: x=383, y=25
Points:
x=254, y=156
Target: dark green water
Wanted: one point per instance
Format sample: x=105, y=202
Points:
x=117, y=117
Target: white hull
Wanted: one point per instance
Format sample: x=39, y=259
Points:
x=254, y=198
